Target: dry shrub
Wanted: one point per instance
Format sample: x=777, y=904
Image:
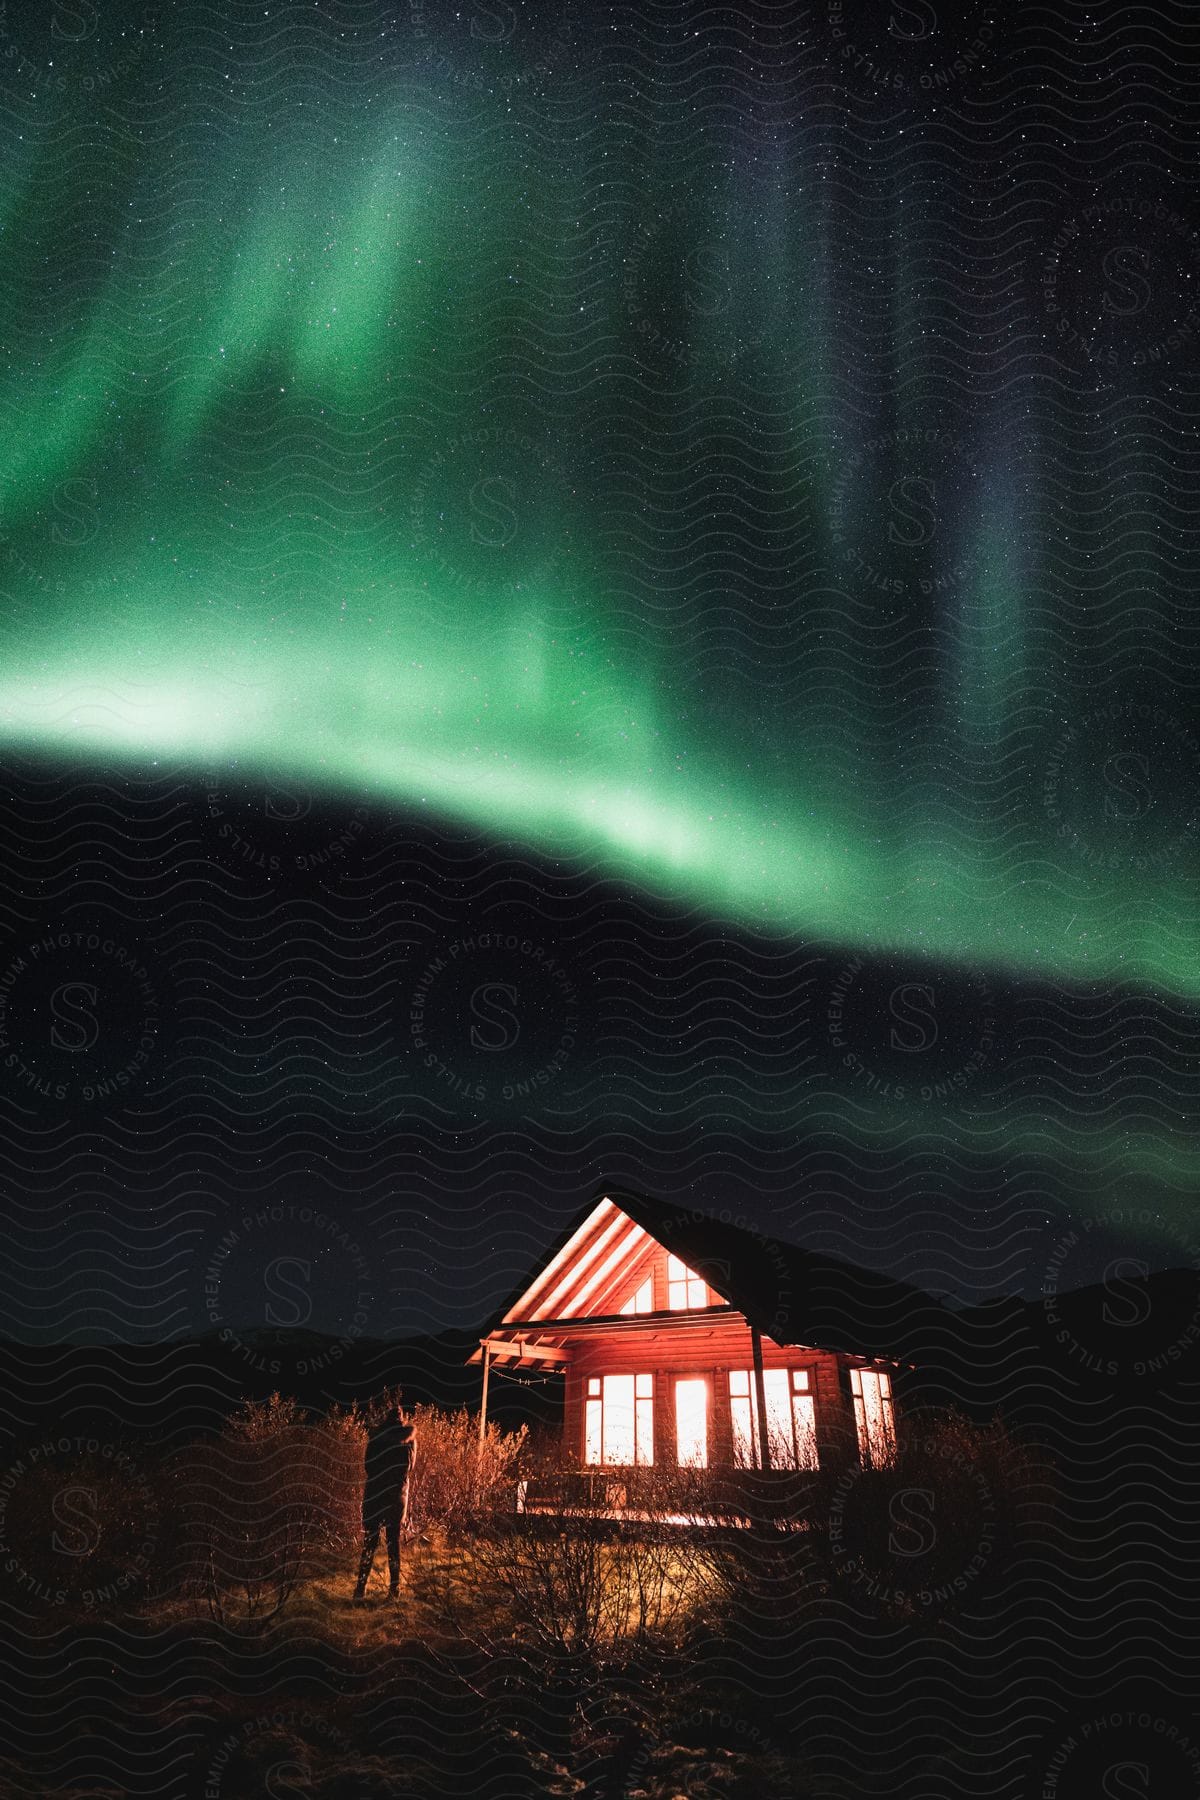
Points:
x=258, y=1505
x=569, y=1608
x=595, y=1566
x=261, y=1507
x=80, y=1525
x=938, y=1527
x=459, y=1478
x=947, y=1515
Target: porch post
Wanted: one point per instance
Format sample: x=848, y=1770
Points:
x=760, y=1394
x=487, y=1358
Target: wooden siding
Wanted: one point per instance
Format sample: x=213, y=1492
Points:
x=597, y=1271
x=569, y=1315
x=708, y=1350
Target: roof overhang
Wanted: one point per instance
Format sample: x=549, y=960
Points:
x=526, y=1337
x=594, y=1248
x=796, y=1298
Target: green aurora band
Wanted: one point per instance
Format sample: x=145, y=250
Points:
x=245, y=501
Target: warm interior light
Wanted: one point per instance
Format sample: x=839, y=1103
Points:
x=593, y=1432
x=874, y=1416
x=643, y=1300
x=791, y=1419
x=691, y=1424
x=685, y=1290
x=619, y=1420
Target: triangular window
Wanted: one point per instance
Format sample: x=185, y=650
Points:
x=685, y=1290
x=643, y=1300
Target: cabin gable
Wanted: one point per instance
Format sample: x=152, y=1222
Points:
x=662, y=1367
x=603, y=1270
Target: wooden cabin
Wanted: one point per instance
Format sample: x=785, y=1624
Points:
x=689, y=1341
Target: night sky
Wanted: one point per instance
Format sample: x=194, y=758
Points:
x=592, y=595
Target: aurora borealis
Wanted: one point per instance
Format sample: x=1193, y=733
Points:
x=774, y=505
x=599, y=599
x=333, y=500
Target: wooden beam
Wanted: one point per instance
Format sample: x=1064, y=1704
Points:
x=760, y=1390
x=591, y=1237
x=487, y=1363
x=705, y=1315
x=518, y=1348
x=625, y=1252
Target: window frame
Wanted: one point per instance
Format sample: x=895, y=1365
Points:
x=801, y=1395
x=884, y=1417
x=631, y=1309
x=692, y=1288
x=597, y=1420
x=704, y=1379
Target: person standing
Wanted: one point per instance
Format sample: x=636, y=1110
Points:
x=390, y=1455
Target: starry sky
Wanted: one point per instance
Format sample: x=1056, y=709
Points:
x=590, y=595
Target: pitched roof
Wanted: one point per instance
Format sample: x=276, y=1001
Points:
x=793, y=1296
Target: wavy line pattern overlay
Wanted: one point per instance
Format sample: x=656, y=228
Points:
x=595, y=596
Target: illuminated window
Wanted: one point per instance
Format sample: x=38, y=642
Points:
x=874, y=1415
x=691, y=1424
x=685, y=1291
x=618, y=1424
x=791, y=1419
x=643, y=1300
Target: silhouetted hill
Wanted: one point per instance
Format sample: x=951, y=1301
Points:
x=1065, y=1367
x=1131, y=1338
x=172, y=1390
